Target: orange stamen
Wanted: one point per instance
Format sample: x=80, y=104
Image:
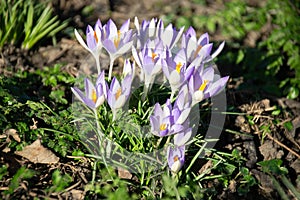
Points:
x=117, y=40
x=197, y=50
x=175, y=158
x=163, y=127
x=153, y=56
x=94, y=96
x=95, y=36
x=118, y=93
x=178, y=67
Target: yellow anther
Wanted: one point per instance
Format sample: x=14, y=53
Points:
x=178, y=67
x=117, y=40
x=94, y=96
x=163, y=127
x=203, y=85
x=118, y=93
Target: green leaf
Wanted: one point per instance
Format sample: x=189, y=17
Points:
x=273, y=166
x=276, y=112
x=288, y=125
x=293, y=93
x=240, y=57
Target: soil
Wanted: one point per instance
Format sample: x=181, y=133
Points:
x=279, y=143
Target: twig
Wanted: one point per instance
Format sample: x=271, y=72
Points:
x=72, y=186
x=284, y=146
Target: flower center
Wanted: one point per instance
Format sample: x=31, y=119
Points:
x=95, y=36
x=178, y=67
x=175, y=158
x=94, y=96
x=163, y=127
x=197, y=50
x=117, y=39
x=118, y=93
x=203, y=85
x=154, y=55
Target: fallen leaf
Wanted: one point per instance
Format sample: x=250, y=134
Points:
x=13, y=132
x=6, y=150
x=3, y=136
x=123, y=173
x=36, y=153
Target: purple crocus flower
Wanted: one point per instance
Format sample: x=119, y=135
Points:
x=162, y=121
x=175, y=70
x=168, y=35
x=117, y=42
x=95, y=95
x=199, y=48
x=176, y=158
x=145, y=31
x=182, y=106
x=128, y=68
x=149, y=60
x=117, y=93
x=93, y=41
x=204, y=84
x=183, y=137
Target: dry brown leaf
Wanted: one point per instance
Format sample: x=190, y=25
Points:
x=123, y=173
x=6, y=150
x=36, y=153
x=3, y=136
x=13, y=132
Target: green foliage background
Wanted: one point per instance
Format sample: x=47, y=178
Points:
x=274, y=60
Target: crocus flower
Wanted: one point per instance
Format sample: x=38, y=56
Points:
x=95, y=95
x=175, y=70
x=94, y=41
x=180, y=139
x=182, y=106
x=117, y=42
x=145, y=31
x=149, y=60
x=204, y=84
x=117, y=93
x=168, y=35
x=128, y=69
x=199, y=48
x=176, y=158
x=162, y=121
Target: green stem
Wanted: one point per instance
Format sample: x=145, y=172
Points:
x=109, y=144
x=145, y=91
x=100, y=138
x=99, y=133
x=94, y=172
x=290, y=186
x=195, y=157
x=279, y=188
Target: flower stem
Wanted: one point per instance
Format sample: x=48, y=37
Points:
x=99, y=133
x=94, y=172
x=100, y=138
x=109, y=144
x=111, y=64
x=98, y=65
x=145, y=91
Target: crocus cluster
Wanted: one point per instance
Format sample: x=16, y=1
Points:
x=116, y=94
x=183, y=59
